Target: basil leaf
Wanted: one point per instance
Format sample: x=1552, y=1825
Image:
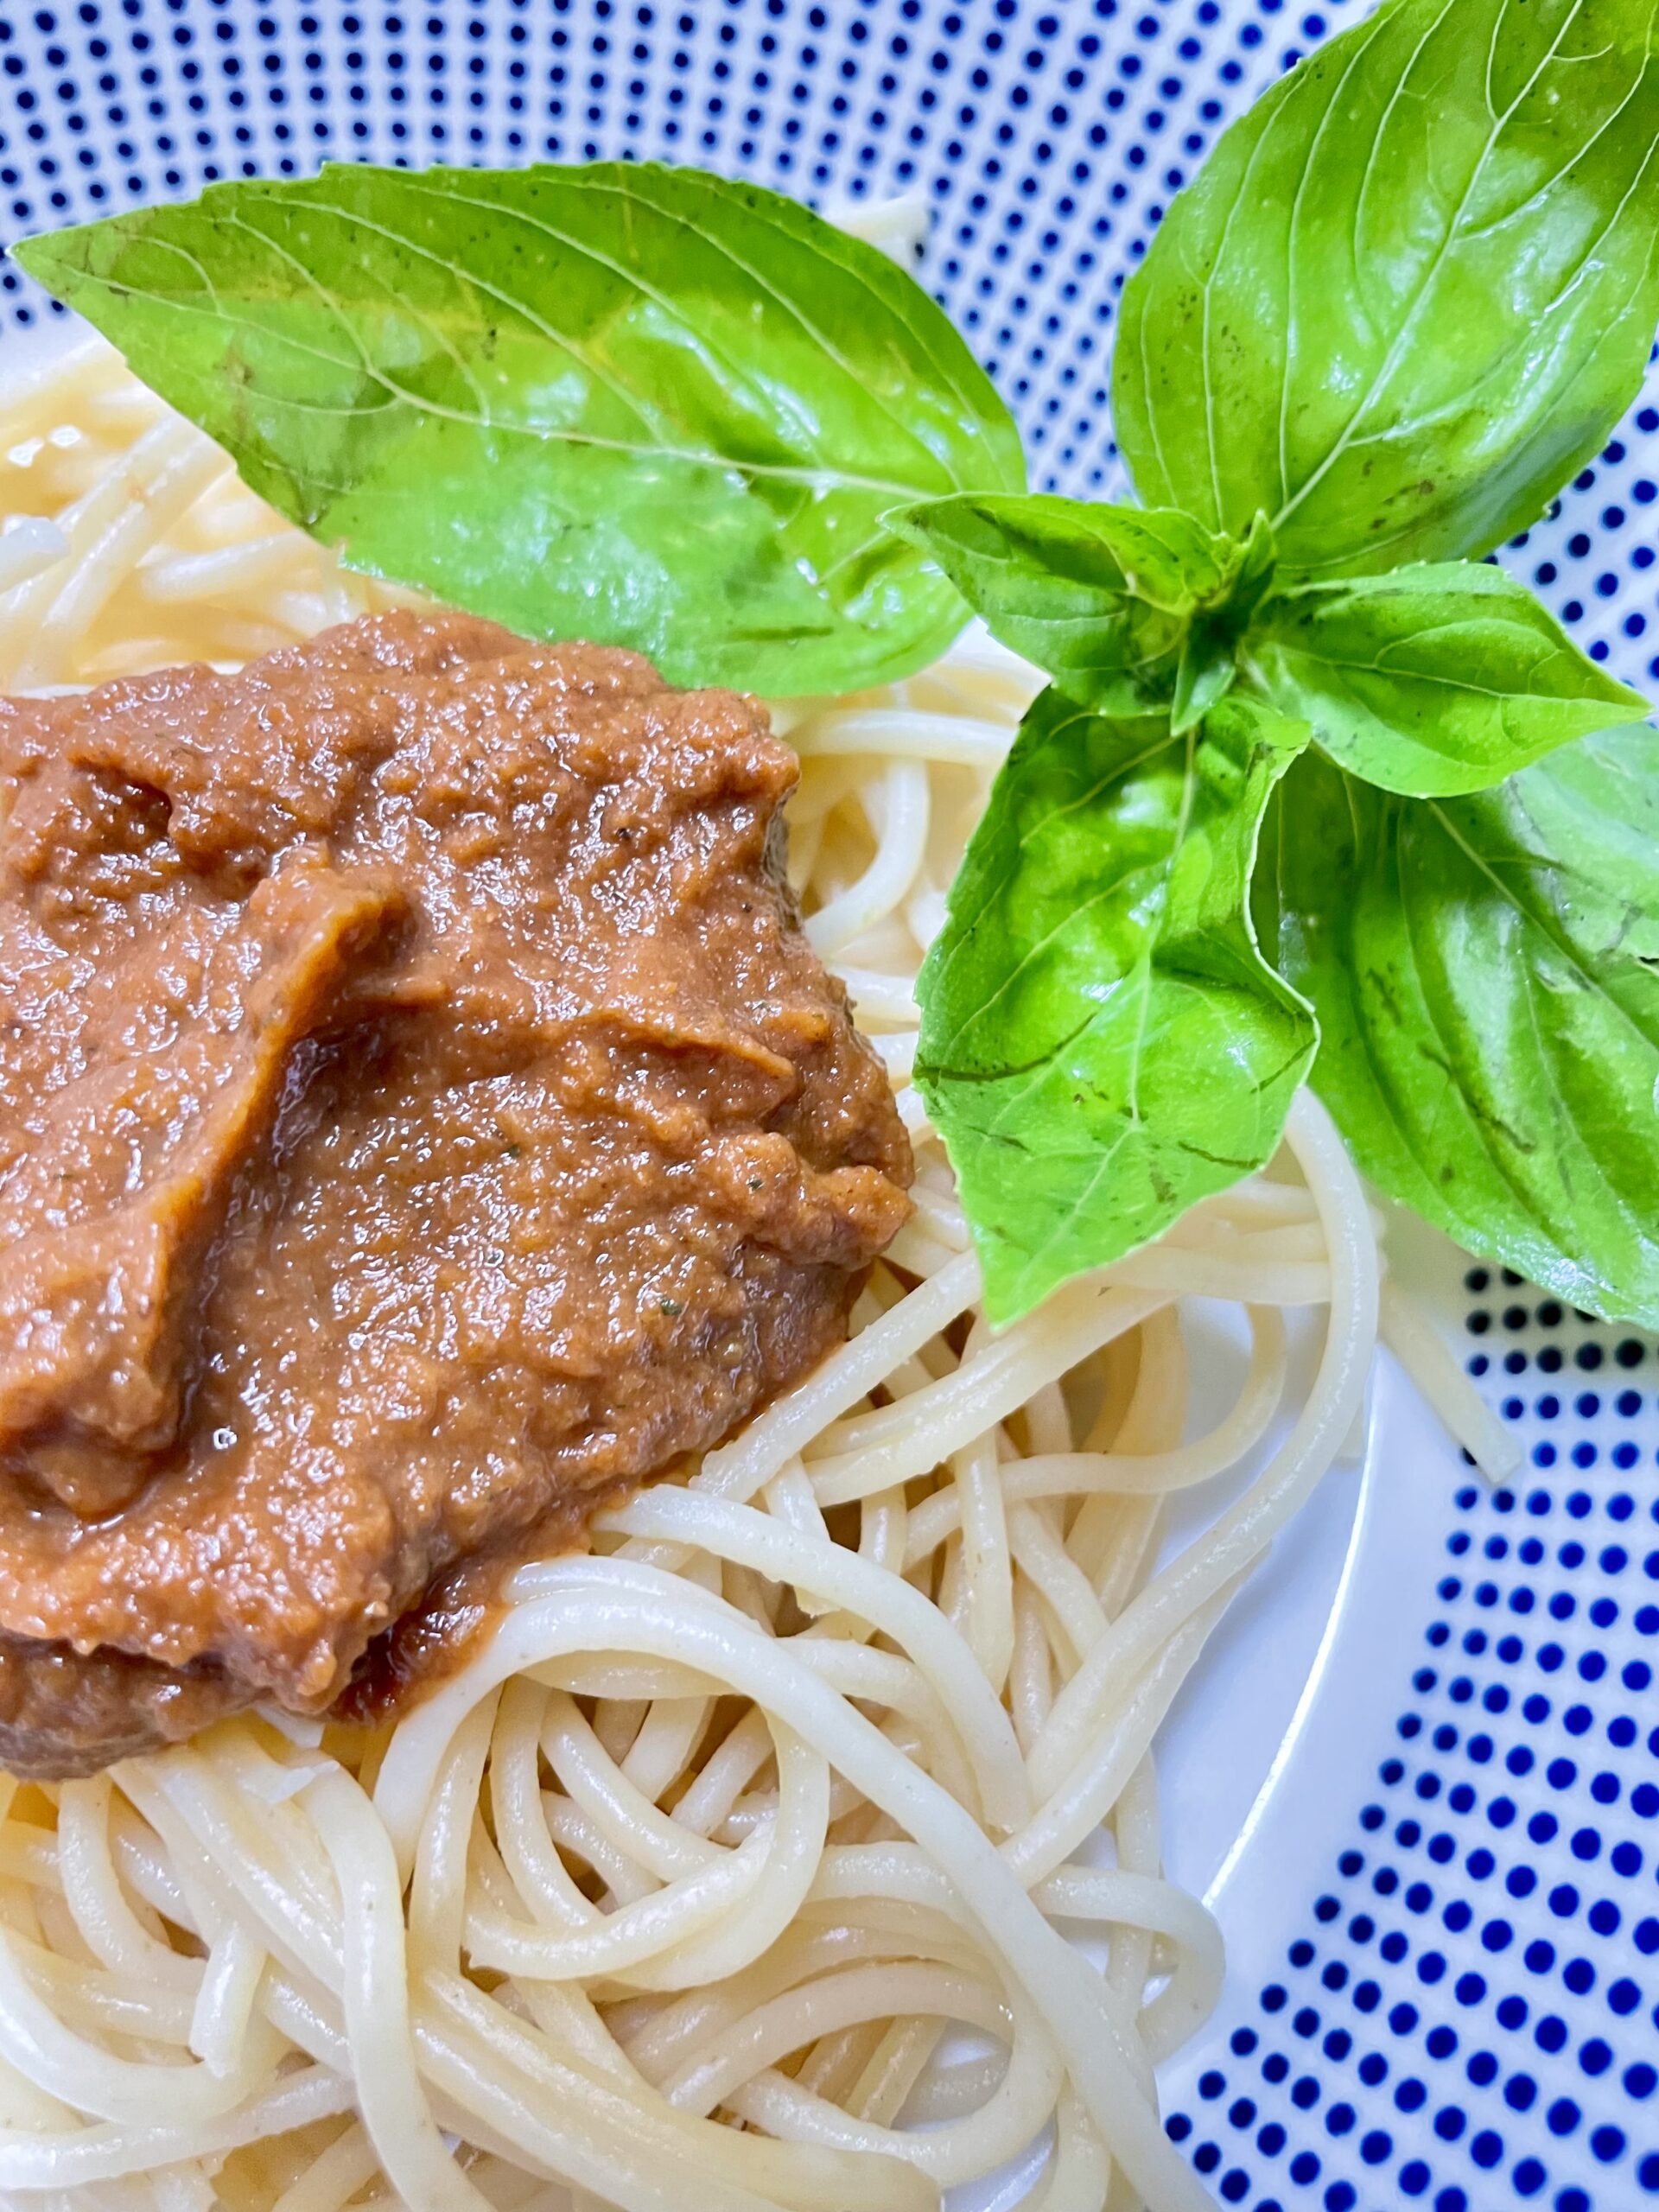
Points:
x=640, y=405
x=1432, y=680
x=1099, y=597
x=1203, y=679
x=1128, y=609
x=1485, y=971
x=1102, y=1044
x=1411, y=291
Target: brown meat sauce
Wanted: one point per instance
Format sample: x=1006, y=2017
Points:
x=420, y=1114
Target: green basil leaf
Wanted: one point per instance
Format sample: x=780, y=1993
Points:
x=1411, y=291
x=1485, y=970
x=640, y=405
x=1203, y=679
x=1099, y=597
x=1102, y=1043
x=1432, y=680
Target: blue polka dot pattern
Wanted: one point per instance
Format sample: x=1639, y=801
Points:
x=1471, y=2018
x=1466, y=2017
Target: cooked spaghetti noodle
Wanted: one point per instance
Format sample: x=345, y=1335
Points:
x=839, y=1750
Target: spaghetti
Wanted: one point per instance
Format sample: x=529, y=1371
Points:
x=797, y=1847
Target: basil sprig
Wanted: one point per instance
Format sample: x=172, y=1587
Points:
x=1428, y=680
x=1409, y=294
x=1411, y=291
